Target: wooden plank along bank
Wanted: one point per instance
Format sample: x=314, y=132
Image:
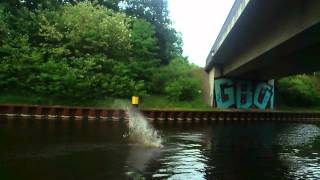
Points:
x=65, y=112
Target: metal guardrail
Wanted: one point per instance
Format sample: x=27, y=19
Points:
x=235, y=12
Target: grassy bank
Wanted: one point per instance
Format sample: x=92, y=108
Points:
x=296, y=109
x=39, y=100
x=150, y=102
x=163, y=103
x=158, y=102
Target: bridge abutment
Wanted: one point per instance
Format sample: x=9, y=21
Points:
x=240, y=93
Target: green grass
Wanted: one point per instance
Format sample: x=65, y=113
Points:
x=147, y=102
x=150, y=102
x=298, y=109
x=40, y=100
x=161, y=102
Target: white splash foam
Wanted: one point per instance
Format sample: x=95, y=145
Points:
x=140, y=131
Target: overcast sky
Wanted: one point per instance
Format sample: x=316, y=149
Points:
x=200, y=22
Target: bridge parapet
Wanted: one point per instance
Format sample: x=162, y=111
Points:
x=234, y=14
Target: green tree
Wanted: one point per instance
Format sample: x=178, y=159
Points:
x=3, y=25
x=156, y=12
x=144, y=43
x=52, y=4
x=82, y=50
x=84, y=29
x=77, y=51
x=177, y=80
x=300, y=89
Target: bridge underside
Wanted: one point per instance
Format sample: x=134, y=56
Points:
x=300, y=54
x=271, y=39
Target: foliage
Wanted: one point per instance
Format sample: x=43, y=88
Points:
x=169, y=41
x=177, y=80
x=84, y=29
x=300, y=89
x=144, y=43
x=156, y=12
x=80, y=51
x=52, y=4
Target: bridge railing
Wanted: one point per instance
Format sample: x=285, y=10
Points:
x=235, y=12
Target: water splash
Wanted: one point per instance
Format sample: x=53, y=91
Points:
x=140, y=131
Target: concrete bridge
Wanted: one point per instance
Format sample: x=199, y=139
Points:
x=261, y=41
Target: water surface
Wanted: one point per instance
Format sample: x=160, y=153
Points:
x=58, y=149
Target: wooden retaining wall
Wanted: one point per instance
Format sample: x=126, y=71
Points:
x=154, y=115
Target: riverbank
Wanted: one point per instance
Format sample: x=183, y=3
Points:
x=301, y=109
x=147, y=102
x=163, y=115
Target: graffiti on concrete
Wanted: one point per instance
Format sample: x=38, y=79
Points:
x=243, y=94
x=224, y=92
x=262, y=95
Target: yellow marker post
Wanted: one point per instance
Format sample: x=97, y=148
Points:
x=135, y=100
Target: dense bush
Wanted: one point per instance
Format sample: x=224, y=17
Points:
x=80, y=51
x=300, y=90
x=84, y=51
x=177, y=80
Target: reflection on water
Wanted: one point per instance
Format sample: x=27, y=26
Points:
x=297, y=142
x=95, y=149
x=183, y=157
x=139, y=157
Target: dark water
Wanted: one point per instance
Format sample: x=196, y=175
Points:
x=58, y=149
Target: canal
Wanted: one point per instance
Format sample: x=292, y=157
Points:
x=90, y=149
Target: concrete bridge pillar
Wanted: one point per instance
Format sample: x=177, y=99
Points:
x=214, y=72
x=211, y=87
x=240, y=93
x=271, y=82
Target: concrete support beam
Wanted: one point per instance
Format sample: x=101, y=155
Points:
x=211, y=87
x=214, y=72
